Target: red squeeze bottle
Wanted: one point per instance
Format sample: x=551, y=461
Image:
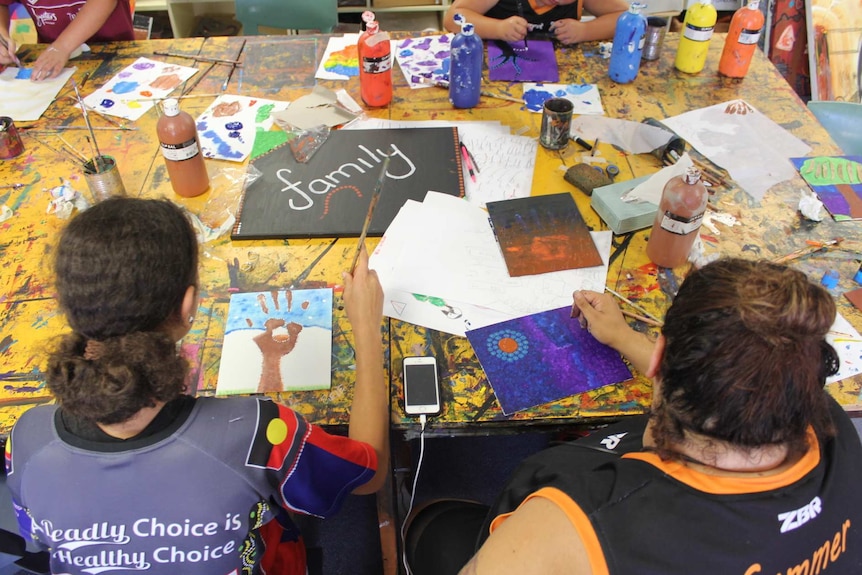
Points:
x=745, y=27
x=178, y=139
x=678, y=219
x=375, y=64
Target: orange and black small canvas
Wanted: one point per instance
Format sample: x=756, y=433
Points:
x=541, y=234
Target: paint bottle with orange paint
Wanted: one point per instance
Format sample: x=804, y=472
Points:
x=181, y=148
x=741, y=42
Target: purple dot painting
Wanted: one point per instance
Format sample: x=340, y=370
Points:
x=511, y=63
x=143, y=65
x=544, y=357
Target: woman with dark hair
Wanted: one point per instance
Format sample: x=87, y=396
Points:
x=744, y=465
x=127, y=471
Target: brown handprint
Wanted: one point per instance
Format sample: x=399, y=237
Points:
x=738, y=107
x=274, y=347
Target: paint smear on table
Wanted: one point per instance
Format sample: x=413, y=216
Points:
x=133, y=91
x=543, y=357
x=227, y=129
x=424, y=60
x=585, y=97
x=277, y=341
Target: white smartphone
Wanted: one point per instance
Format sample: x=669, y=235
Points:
x=421, y=386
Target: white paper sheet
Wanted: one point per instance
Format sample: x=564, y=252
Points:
x=848, y=343
x=340, y=60
x=750, y=146
x=135, y=89
x=632, y=137
x=446, y=248
x=24, y=100
x=585, y=98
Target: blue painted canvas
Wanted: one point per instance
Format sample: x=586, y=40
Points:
x=544, y=357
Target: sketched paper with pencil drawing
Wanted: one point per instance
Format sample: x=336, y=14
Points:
x=277, y=341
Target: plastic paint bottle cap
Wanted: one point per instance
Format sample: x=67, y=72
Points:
x=830, y=279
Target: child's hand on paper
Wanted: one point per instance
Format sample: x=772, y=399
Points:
x=49, y=64
x=512, y=29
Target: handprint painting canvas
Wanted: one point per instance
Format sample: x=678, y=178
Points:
x=279, y=340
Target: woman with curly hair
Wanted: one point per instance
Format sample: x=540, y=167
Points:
x=129, y=472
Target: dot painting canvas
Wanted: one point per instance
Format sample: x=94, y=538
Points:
x=279, y=340
x=544, y=357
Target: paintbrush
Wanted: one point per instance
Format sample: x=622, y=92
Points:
x=813, y=246
x=236, y=62
x=197, y=81
x=71, y=148
x=93, y=143
x=169, y=97
x=521, y=14
x=634, y=305
x=233, y=67
x=374, y=197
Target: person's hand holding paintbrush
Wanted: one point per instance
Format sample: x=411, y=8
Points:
x=375, y=196
x=7, y=49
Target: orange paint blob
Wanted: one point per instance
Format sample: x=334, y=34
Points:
x=508, y=345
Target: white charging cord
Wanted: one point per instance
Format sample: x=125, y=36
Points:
x=422, y=421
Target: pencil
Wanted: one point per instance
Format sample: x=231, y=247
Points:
x=374, y=197
x=633, y=304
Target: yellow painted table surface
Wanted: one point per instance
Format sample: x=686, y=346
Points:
x=282, y=68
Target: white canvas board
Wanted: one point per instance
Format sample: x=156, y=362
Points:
x=24, y=100
x=228, y=127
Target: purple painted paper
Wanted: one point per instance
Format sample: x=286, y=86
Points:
x=543, y=357
x=511, y=62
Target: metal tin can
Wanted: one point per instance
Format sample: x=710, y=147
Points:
x=11, y=145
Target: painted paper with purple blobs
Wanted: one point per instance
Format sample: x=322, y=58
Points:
x=585, y=97
x=512, y=62
x=424, y=61
x=544, y=357
x=227, y=128
x=137, y=87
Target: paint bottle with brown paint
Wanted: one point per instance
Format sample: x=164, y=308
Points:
x=678, y=219
x=181, y=148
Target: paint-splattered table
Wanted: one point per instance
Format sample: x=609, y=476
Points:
x=283, y=68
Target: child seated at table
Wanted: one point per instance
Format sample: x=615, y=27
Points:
x=514, y=20
x=65, y=25
x=130, y=472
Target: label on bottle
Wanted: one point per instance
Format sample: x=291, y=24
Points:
x=180, y=152
x=641, y=43
x=377, y=65
x=698, y=33
x=749, y=36
x=681, y=226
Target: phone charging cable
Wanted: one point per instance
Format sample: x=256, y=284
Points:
x=423, y=419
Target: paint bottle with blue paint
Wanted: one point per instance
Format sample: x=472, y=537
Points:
x=628, y=45
x=465, y=72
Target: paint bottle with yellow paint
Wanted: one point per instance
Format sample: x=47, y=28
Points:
x=694, y=43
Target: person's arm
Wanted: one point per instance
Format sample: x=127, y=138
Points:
x=537, y=539
x=511, y=29
x=600, y=313
x=7, y=44
x=606, y=12
x=87, y=22
x=369, y=414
